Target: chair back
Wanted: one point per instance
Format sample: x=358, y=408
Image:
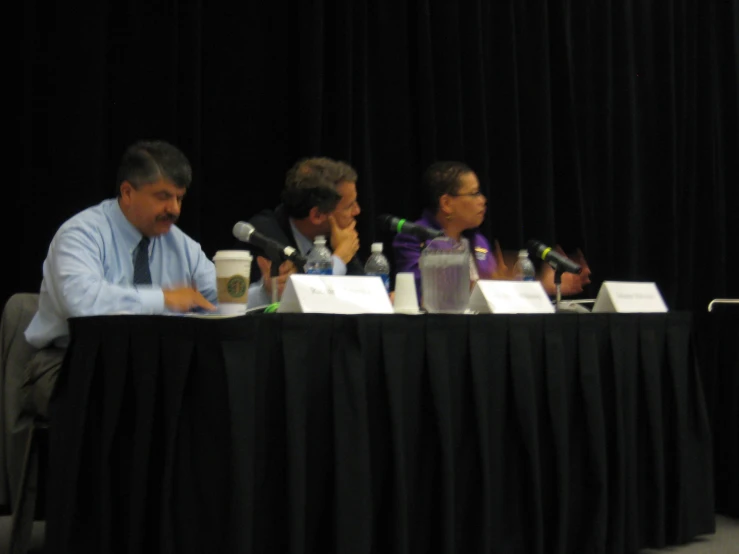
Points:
x=724, y=305
x=15, y=353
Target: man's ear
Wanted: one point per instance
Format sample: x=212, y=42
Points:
x=316, y=216
x=126, y=189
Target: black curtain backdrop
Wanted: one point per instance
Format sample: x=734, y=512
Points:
x=608, y=125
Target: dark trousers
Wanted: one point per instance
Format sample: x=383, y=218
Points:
x=40, y=375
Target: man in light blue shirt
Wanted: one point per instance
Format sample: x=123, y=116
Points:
x=125, y=255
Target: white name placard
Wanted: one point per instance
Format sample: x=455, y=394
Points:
x=324, y=294
x=510, y=297
x=628, y=297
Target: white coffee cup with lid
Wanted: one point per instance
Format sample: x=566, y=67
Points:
x=233, y=268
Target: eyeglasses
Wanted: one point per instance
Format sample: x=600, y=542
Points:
x=471, y=194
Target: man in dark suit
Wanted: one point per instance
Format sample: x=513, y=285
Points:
x=319, y=198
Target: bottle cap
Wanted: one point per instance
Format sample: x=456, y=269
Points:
x=523, y=253
x=320, y=239
x=376, y=247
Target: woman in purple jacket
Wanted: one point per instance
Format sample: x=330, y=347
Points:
x=459, y=208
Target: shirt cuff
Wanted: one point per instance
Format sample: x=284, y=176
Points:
x=339, y=267
x=152, y=301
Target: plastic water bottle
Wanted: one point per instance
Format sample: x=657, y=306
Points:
x=319, y=260
x=523, y=270
x=377, y=264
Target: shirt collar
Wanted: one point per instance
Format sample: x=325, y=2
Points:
x=131, y=235
x=303, y=243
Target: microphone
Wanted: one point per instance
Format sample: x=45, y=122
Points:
x=246, y=232
x=559, y=262
x=397, y=225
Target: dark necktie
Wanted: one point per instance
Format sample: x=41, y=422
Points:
x=141, y=273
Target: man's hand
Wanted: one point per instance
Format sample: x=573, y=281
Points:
x=579, y=258
x=287, y=268
x=185, y=299
x=572, y=284
x=344, y=242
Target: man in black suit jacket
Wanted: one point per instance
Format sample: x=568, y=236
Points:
x=319, y=198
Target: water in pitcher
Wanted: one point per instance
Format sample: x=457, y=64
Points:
x=445, y=276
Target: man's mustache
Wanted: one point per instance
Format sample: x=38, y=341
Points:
x=167, y=217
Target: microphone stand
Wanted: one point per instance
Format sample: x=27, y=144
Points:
x=558, y=284
x=567, y=307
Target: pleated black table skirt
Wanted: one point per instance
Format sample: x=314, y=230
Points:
x=379, y=434
x=717, y=338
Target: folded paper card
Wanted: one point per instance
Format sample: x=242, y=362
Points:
x=510, y=297
x=628, y=297
x=325, y=294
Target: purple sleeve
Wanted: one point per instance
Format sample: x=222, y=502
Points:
x=407, y=251
x=484, y=256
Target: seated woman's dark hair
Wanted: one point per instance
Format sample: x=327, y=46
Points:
x=442, y=178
